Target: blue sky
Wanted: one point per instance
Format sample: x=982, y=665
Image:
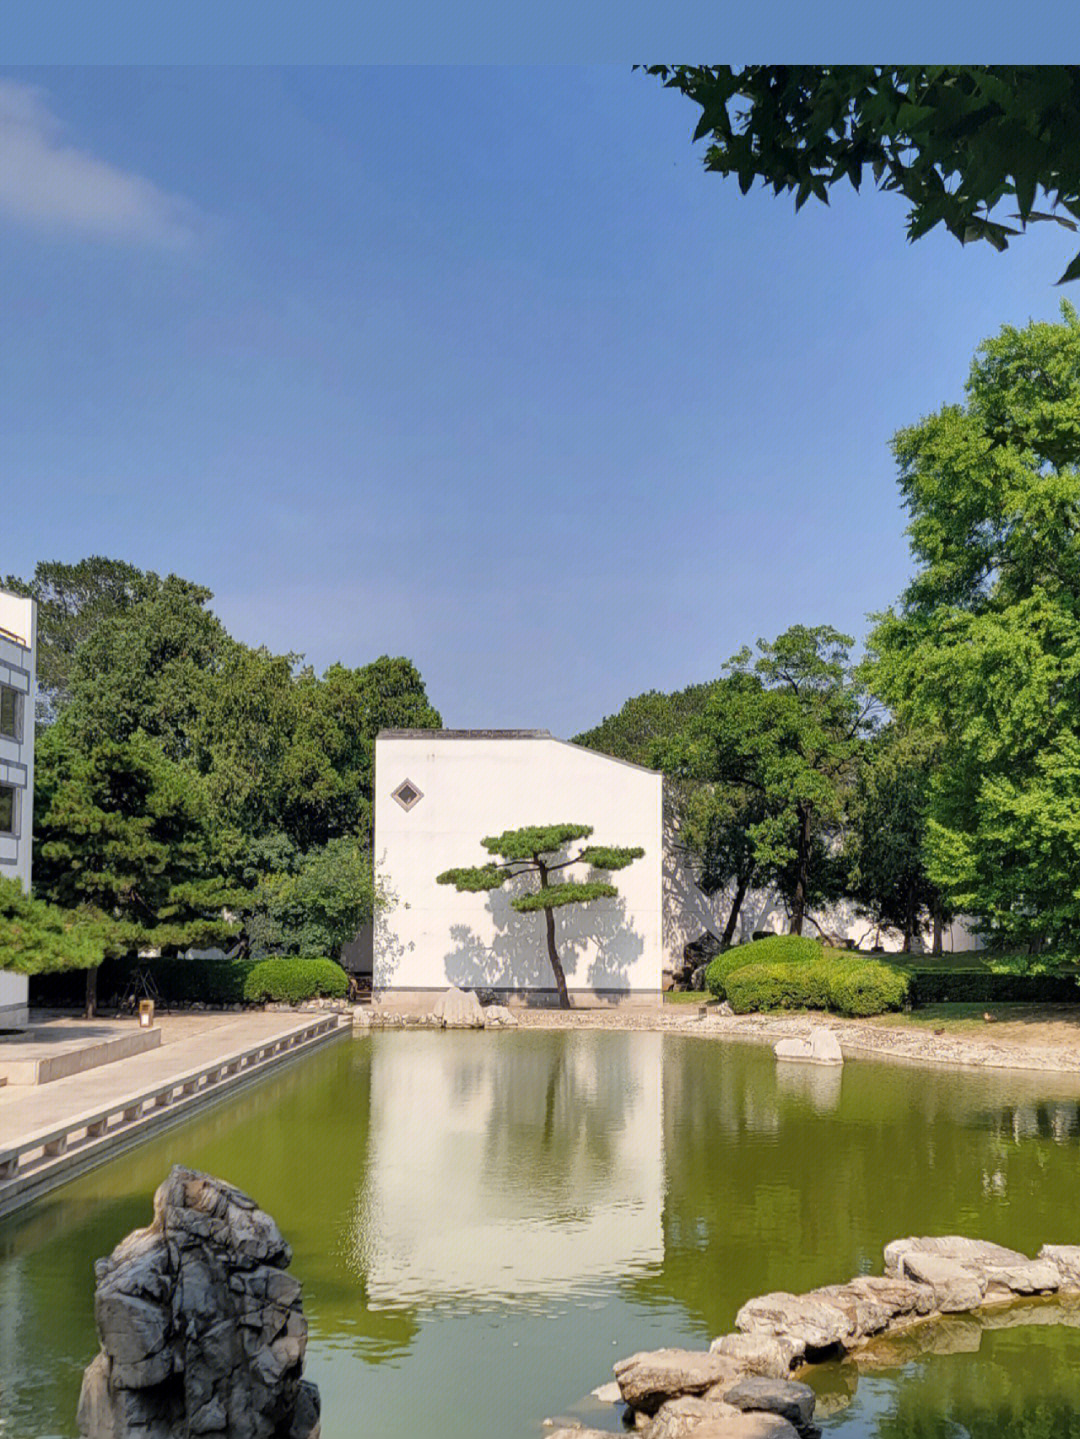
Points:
x=473, y=365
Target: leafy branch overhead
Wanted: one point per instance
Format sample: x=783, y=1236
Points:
x=535, y=850
x=954, y=140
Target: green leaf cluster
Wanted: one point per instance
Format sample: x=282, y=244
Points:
x=983, y=653
x=533, y=841
x=955, y=140
x=41, y=938
x=181, y=774
x=558, y=895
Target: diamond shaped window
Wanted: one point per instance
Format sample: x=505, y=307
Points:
x=407, y=794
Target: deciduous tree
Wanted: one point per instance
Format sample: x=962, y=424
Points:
x=956, y=141
x=983, y=651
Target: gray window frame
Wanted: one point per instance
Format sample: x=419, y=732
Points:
x=14, y=831
x=20, y=710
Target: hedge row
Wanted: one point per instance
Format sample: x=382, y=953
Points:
x=197, y=981
x=854, y=987
x=983, y=986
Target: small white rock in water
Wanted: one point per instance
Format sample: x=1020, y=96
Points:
x=607, y=1393
x=458, y=1009
x=820, y=1046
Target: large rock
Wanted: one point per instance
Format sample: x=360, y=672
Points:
x=820, y=1046
x=1066, y=1259
x=769, y=1354
x=202, y=1331
x=1002, y=1272
x=956, y=1288
x=791, y=1400
x=497, y=1016
x=679, y=1418
x=646, y=1380
x=810, y=1323
x=458, y=1009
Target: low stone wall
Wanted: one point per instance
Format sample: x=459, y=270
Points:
x=746, y=1386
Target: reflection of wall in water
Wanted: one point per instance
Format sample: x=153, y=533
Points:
x=503, y=1166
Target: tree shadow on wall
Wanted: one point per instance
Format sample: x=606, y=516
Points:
x=388, y=948
x=595, y=942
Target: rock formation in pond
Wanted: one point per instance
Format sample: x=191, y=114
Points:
x=927, y=1301
x=202, y=1331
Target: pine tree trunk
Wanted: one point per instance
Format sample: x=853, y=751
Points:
x=553, y=953
x=90, y=1011
x=736, y=905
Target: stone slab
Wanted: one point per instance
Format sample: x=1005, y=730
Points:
x=38, y=1057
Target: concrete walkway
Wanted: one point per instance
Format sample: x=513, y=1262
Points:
x=187, y=1042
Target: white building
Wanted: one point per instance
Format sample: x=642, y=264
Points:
x=438, y=793
x=18, y=644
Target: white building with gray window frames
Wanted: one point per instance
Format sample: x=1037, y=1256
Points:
x=18, y=649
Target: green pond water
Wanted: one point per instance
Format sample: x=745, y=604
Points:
x=483, y=1223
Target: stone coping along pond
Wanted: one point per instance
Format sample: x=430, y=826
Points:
x=747, y=1384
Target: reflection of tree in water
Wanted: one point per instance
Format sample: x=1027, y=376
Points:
x=1021, y=1385
x=559, y=1108
x=516, y=957
x=766, y=1191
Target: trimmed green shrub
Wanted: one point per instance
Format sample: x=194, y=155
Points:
x=859, y=987
x=178, y=981
x=983, y=986
x=290, y=981
x=778, y=949
x=779, y=986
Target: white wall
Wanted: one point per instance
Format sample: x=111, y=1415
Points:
x=18, y=644
x=428, y=936
x=688, y=914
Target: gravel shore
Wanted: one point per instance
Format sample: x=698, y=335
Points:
x=1047, y=1039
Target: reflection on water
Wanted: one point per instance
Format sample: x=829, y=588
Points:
x=1013, y=1374
x=484, y=1222
x=524, y=1172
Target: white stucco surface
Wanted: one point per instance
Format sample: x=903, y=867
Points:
x=474, y=784
x=18, y=642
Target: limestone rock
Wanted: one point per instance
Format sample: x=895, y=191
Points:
x=956, y=1288
x=745, y=1426
x=1066, y=1258
x=791, y=1400
x=757, y=1353
x=820, y=1046
x=646, y=1380
x=951, y=1246
x=202, y=1332
x=684, y=1416
x=810, y=1323
x=497, y=1016
x=459, y=1009
x=902, y=1297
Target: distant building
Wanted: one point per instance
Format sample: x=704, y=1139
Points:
x=18, y=652
x=438, y=793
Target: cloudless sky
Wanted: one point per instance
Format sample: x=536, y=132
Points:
x=472, y=365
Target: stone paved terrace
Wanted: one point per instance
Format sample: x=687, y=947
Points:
x=187, y=1042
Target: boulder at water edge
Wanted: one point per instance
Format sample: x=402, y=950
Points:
x=458, y=1009
x=820, y=1046
x=202, y=1331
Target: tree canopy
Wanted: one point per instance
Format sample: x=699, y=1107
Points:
x=39, y=938
x=983, y=652
x=536, y=850
x=783, y=740
x=955, y=140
